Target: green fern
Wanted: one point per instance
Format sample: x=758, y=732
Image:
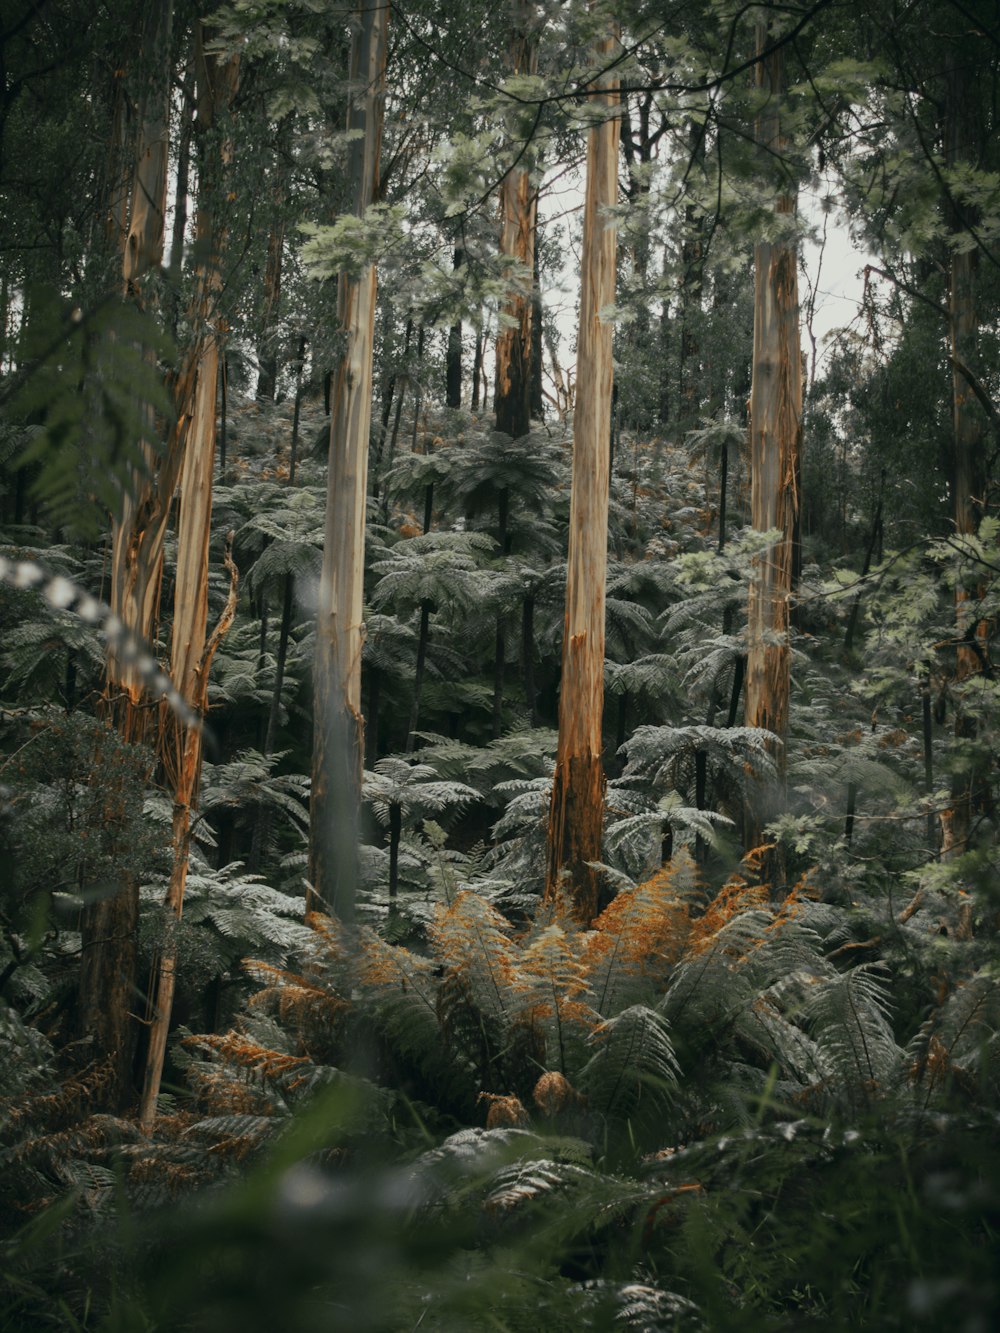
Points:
x=633, y=1072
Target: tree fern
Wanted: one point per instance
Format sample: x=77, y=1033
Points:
x=550, y=991
x=633, y=1071
x=847, y=1016
x=958, y=1047
x=638, y=937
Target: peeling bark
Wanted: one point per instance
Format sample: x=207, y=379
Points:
x=338, y=744
x=775, y=439
x=192, y=648
x=576, y=815
x=109, y=925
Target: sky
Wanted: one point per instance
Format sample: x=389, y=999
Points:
x=832, y=264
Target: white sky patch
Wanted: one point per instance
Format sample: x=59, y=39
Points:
x=830, y=293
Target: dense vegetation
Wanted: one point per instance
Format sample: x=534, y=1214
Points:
x=337, y=988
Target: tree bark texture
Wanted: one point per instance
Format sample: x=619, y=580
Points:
x=775, y=437
x=518, y=206
x=109, y=925
x=191, y=648
x=137, y=535
x=338, y=743
x=576, y=815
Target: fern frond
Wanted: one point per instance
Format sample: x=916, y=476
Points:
x=848, y=1016
x=472, y=941
x=636, y=938
x=960, y=1041
x=634, y=1069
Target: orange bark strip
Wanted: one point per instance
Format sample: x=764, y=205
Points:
x=191, y=647
x=576, y=815
x=775, y=440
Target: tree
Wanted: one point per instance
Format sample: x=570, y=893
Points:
x=338, y=742
x=519, y=208
x=576, y=814
x=192, y=648
x=775, y=437
x=109, y=923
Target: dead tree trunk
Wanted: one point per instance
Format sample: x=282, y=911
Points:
x=576, y=814
x=775, y=435
x=338, y=744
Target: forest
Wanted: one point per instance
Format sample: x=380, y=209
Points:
x=499, y=726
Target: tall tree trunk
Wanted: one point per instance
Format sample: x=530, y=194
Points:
x=178, y=233
x=518, y=204
x=453, y=357
x=528, y=657
x=423, y=638
x=775, y=432
x=723, y=496
x=576, y=815
x=338, y=745
x=109, y=925
x=477, y=370
x=689, y=376
x=536, y=389
x=399, y=381
x=267, y=352
x=192, y=648
x=969, y=470
x=418, y=402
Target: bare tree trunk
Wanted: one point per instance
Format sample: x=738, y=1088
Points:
x=267, y=352
x=518, y=203
x=477, y=370
x=536, y=389
x=179, y=228
x=453, y=357
x=689, y=376
x=776, y=429
x=338, y=745
x=576, y=815
x=191, y=648
x=423, y=638
x=137, y=536
x=528, y=657
x=109, y=925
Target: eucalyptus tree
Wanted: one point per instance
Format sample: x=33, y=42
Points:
x=192, y=647
x=519, y=210
x=775, y=435
x=576, y=814
x=109, y=924
x=338, y=746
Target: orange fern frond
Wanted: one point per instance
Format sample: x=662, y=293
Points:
x=504, y=1110
x=641, y=933
x=472, y=940
x=732, y=900
x=238, y=1049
